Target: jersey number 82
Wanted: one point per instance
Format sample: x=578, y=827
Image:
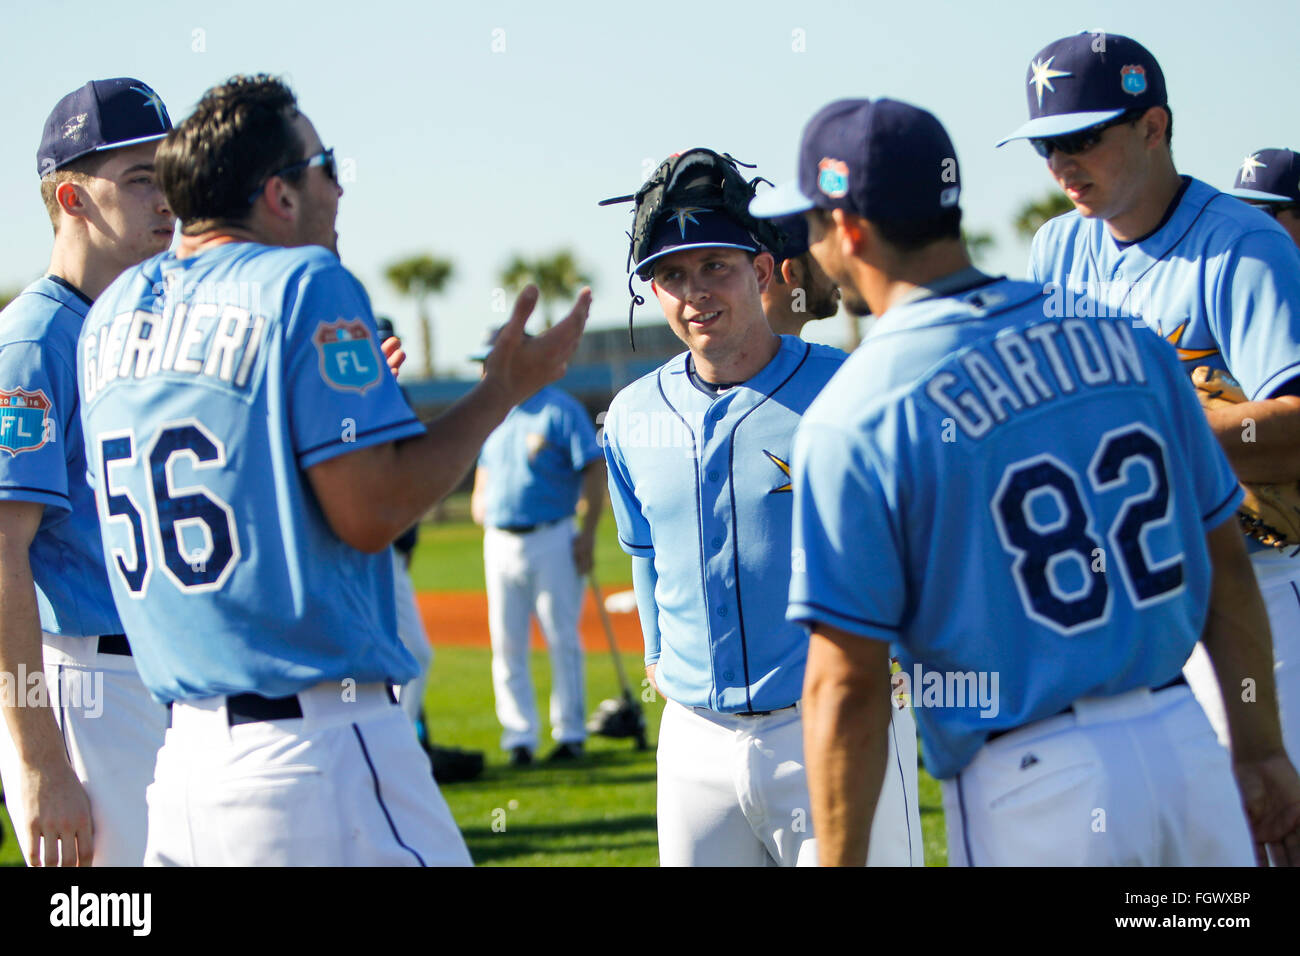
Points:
x=1039, y=547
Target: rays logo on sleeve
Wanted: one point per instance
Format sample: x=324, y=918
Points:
x=348, y=359
x=25, y=422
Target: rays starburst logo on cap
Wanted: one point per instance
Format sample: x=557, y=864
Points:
x=154, y=100
x=685, y=214
x=1248, y=167
x=1043, y=76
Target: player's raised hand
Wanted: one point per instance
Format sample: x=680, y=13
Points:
x=58, y=816
x=393, y=353
x=1270, y=791
x=521, y=364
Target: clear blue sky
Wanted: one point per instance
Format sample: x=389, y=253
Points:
x=474, y=154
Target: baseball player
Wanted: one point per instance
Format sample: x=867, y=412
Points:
x=253, y=460
x=540, y=464
x=1025, y=504
x=77, y=757
x=1269, y=179
x=800, y=291
x=698, y=454
x=1220, y=281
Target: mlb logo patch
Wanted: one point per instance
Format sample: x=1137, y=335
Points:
x=833, y=178
x=25, y=423
x=348, y=360
x=1133, y=79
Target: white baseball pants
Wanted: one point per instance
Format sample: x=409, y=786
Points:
x=1279, y=583
x=346, y=784
x=410, y=629
x=112, y=729
x=528, y=574
x=733, y=792
x=1132, y=780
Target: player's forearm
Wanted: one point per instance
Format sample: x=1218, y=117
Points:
x=1240, y=646
x=31, y=720
x=845, y=723
x=644, y=580
x=478, y=497
x=592, y=500
x=413, y=475
x=1261, y=439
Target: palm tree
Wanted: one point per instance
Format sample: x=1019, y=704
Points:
x=978, y=244
x=557, y=278
x=420, y=277
x=1034, y=213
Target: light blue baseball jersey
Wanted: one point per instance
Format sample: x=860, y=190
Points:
x=1218, y=279
x=1008, y=495
x=42, y=458
x=534, y=460
x=700, y=484
x=209, y=387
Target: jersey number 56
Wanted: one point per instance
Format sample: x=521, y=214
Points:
x=171, y=510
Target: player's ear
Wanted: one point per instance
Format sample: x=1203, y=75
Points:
x=279, y=199
x=764, y=266
x=792, y=272
x=852, y=232
x=1153, y=124
x=72, y=199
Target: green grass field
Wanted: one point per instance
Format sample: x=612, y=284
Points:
x=597, y=813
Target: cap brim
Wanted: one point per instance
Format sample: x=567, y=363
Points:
x=1258, y=195
x=784, y=200
x=131, y=142
x=648, y=260
x=1059, y=125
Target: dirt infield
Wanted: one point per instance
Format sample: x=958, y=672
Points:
x=460, y=617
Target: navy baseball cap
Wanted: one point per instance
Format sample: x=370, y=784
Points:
x=1268, y=175
x=103, y=114
x=1088, y=79
x=795, y=230
x=693, y=227
x=880, y=159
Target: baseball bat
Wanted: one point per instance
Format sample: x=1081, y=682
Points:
x=609, y=634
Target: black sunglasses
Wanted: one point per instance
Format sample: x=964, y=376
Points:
x=324, y=159
x=1085, y=139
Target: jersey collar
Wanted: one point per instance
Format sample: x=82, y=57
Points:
x=975, y=300
x=789, y=356
x=1184, y=211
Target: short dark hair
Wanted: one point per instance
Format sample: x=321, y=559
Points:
x=909, y=235
x=239, y=135
x=77, y=171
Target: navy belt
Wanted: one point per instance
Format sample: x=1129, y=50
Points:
x=114, y=644
x=254, y=708
x=761, y=713
x=527, y=528
x=1180, y=680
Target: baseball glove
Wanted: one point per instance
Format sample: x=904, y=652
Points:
x=1270, y=513
x=697, y=177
